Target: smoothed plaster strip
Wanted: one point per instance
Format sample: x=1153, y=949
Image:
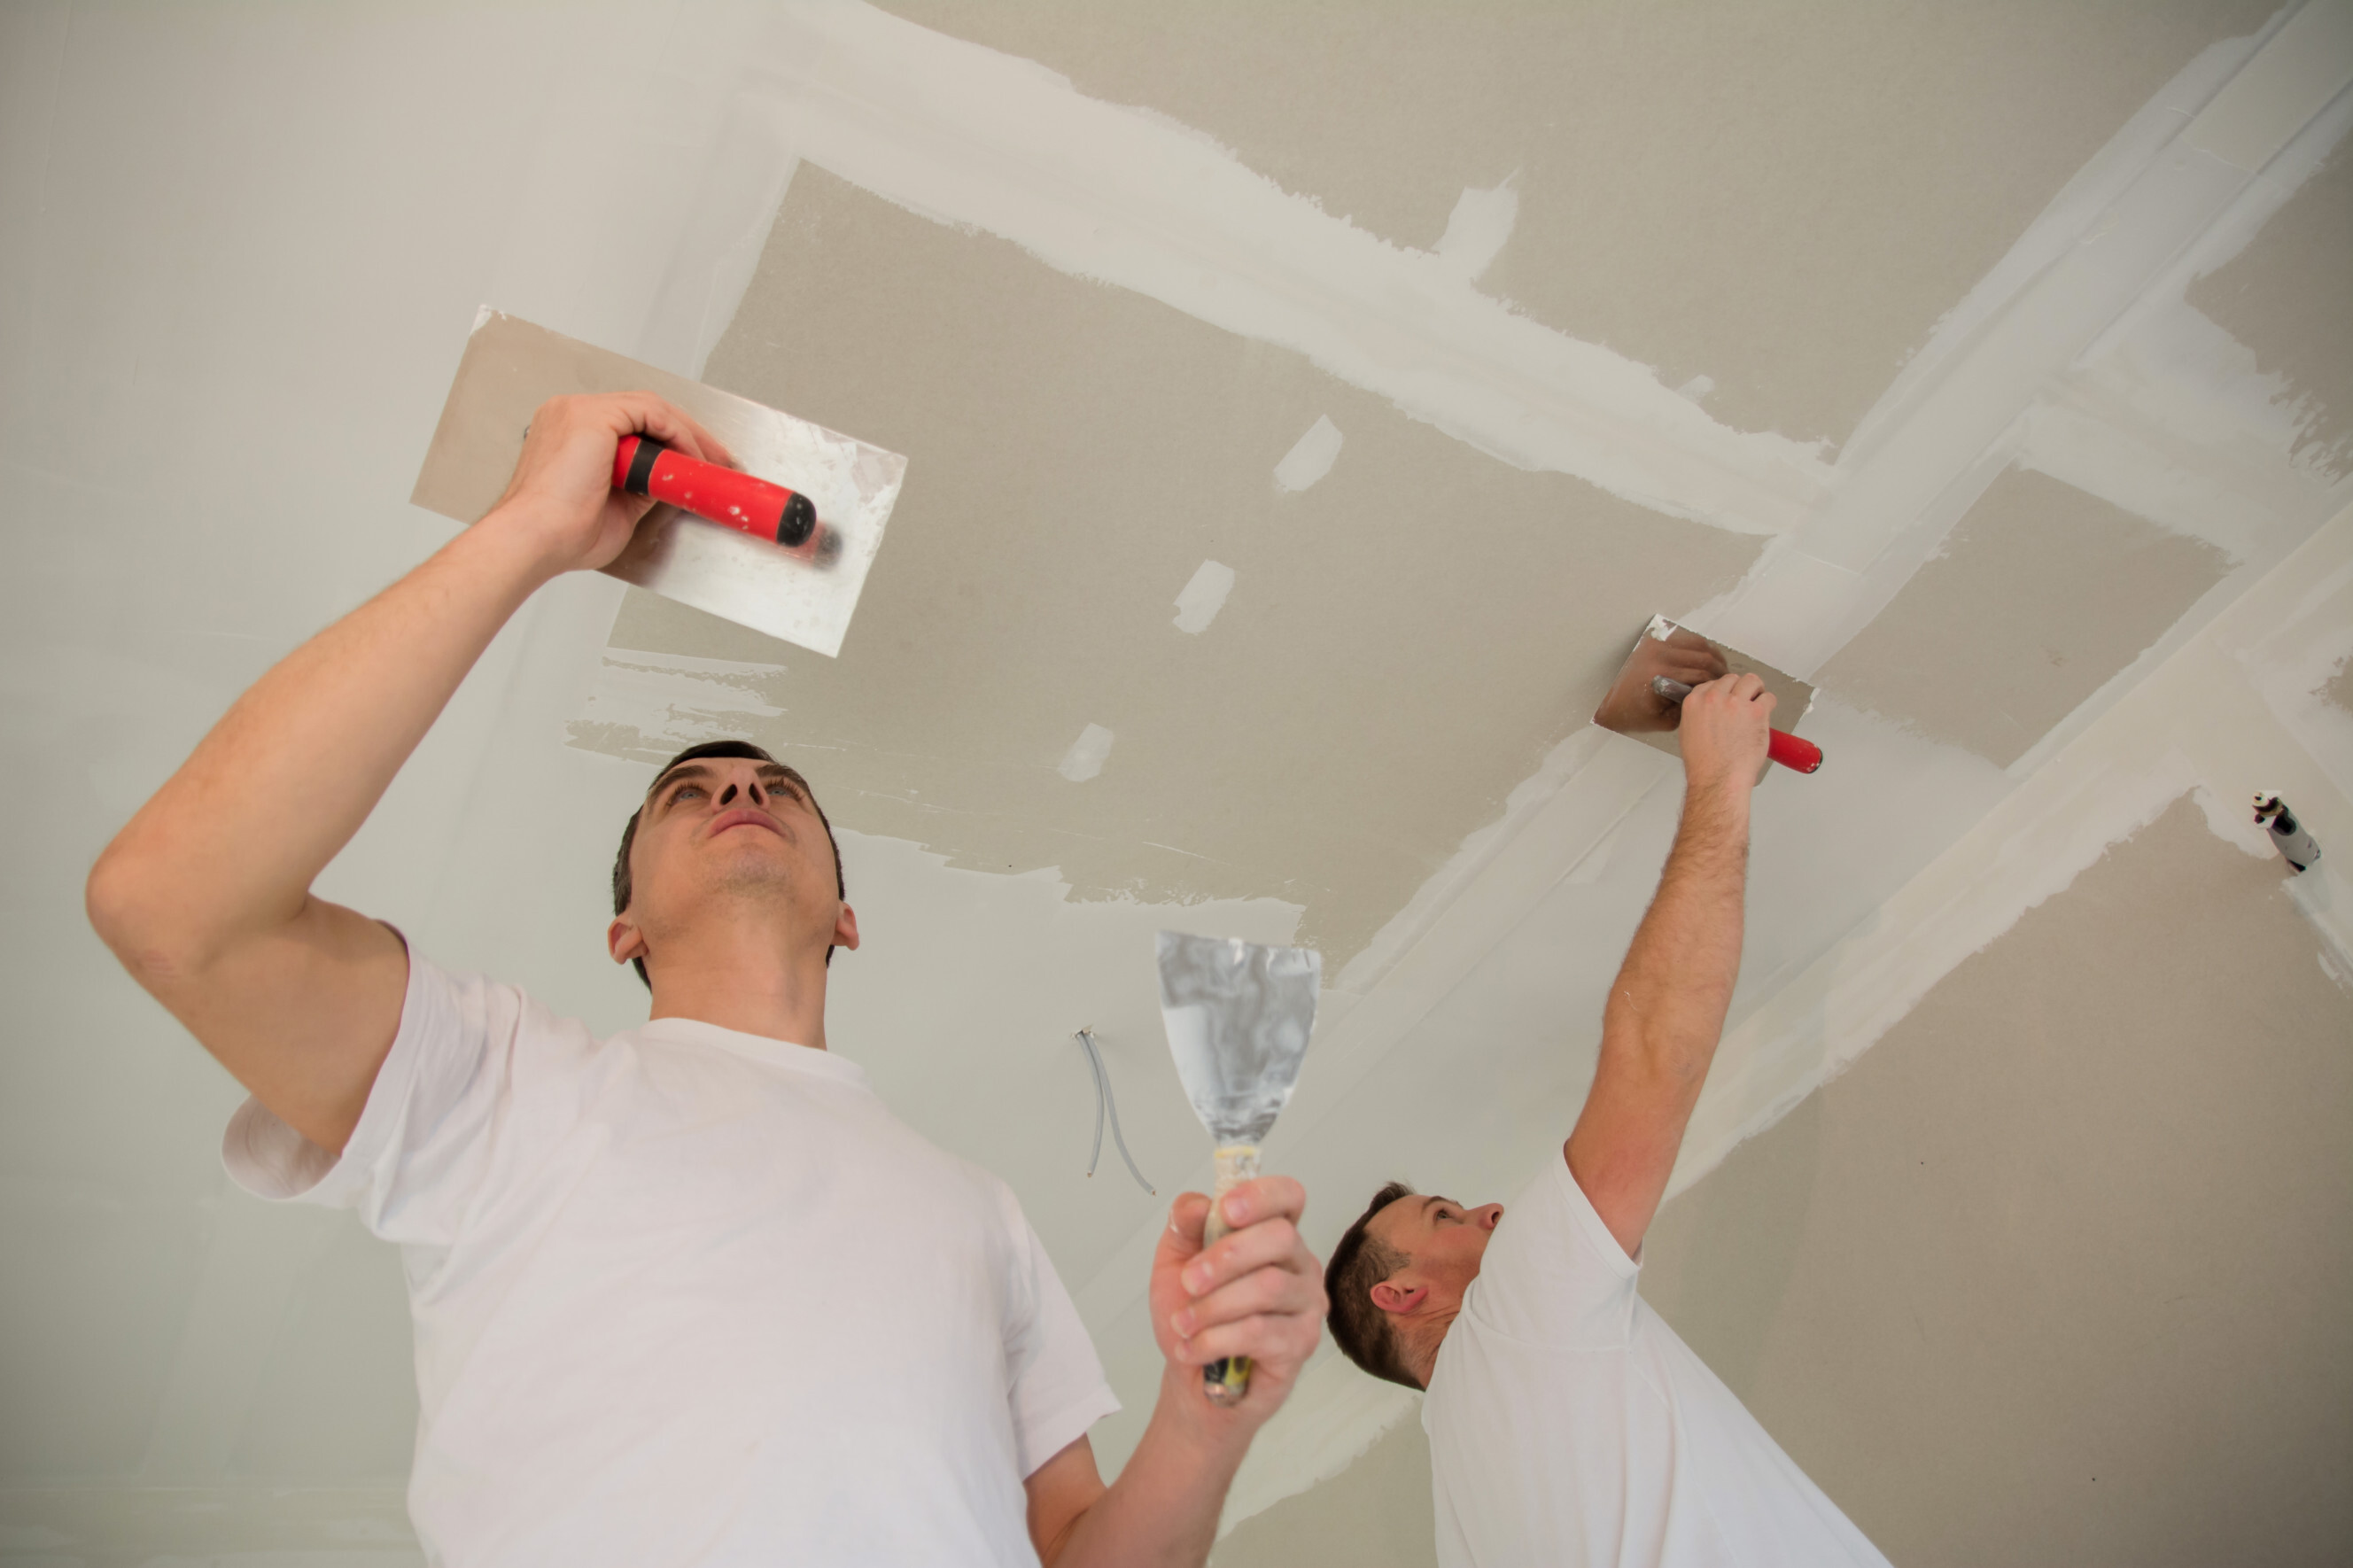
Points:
x=965, y=135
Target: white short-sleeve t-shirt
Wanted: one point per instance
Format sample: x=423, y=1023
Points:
x=1568, y=1426
x=691, y=1295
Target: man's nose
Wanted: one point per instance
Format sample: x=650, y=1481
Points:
x=749, y=788
x=1488, y=1216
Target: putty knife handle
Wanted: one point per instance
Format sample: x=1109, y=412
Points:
x=1225, y=1381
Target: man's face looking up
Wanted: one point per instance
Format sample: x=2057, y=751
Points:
x=730, y=839
x=1443, y=1244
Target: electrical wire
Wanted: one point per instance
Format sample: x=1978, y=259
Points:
x=1104, y=1102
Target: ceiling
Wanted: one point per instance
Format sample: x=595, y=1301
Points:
x=1967, y=361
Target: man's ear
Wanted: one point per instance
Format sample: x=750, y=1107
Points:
x=624, y=940
x=1391, y=1296
x=844, y=928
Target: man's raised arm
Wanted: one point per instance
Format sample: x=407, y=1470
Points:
x=206, y=895
x=1666, y=1009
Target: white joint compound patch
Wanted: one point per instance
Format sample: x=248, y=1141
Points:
x=1087, y=754
x=1311, y=458
x=1204, y=596
x=1477, y=229
x=661, y=704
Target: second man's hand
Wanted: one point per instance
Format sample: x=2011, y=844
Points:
x=561, y=502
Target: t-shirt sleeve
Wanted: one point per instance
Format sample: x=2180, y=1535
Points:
x=1057, y=1385
x=422, y=1151
x=1553, y=1274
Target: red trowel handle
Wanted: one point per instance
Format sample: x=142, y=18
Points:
x=644, y=466
x=1794, y=751
x=1789, y=751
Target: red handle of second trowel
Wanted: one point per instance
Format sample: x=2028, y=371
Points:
x=1794, y=751
x=770, y=511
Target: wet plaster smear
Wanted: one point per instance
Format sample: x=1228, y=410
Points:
x=1415, y=631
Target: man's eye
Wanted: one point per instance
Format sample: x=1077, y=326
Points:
x=685, y=790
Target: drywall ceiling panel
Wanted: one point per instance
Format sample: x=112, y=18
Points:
x=2042, y=592
x=2062, y=1270
x=2288, y=297
x=1123, y=627
x=1782, y=199
x=1377, y=1514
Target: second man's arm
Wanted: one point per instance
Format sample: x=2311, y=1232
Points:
x=1666, y=1009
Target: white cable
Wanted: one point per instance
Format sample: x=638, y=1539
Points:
x=1104, y=1102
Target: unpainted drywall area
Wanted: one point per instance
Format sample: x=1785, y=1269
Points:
x=2288, y=298
x=2042, y=592
x=1779, y=199
x=2061, y=1272
x=1034, y=678
x=1376, y=1513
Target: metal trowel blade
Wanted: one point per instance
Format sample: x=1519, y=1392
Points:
x=511, y=367
x=1238, y=1016
x=1635, y=708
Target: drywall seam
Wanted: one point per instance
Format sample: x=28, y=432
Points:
x=967, y=136
x=1332, y=1419
x=2232, y=710
x=2112, y=238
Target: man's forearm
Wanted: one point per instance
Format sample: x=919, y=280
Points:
x=1163, y=1510
x=1675, y=986
x=230, y=845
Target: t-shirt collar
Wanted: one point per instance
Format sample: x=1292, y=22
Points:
x=777, y=1053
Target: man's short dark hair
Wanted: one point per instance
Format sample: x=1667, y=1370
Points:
x=1361, y=1330
x=622, y=887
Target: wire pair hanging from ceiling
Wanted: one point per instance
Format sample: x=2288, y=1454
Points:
x=1104, y=1105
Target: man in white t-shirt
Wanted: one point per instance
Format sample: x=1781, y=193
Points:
x=1567, y=1425
x=689, y=1294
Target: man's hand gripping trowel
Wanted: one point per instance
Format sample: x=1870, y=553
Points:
x=781, y=546
x=1239, y=1015
x=1646, y=699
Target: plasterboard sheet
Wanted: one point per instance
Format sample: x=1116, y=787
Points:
x=2288, y=297
x=1773, y=206
x=511, y=367
x=2043, y=592
x=1330, y=739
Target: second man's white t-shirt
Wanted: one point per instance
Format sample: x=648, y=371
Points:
x=691, y=1296
x=1569, y=1426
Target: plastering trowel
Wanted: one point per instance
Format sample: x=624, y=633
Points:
x=1239, y=1015
x=1646, y=699
x=782, y=546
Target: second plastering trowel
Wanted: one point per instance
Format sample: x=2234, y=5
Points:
x=711, y=543
x=1238, y=1016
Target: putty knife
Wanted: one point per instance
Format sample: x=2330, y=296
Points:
x=1646, y=699
x=1239, y=1015
x=808, y=505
